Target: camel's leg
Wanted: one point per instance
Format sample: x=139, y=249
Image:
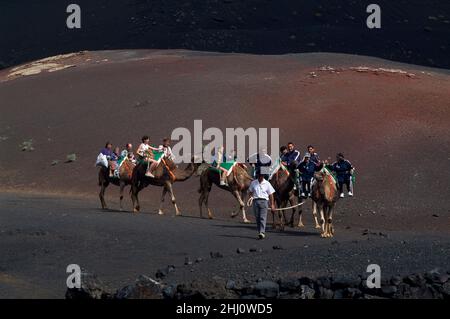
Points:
x=330, y=221
x=322, y=221
x=281, y=217
x=300, y=217
x=244, y=201
x=163, y=196
x=200, y=203
x=172, y=196
x=291, y=221
x=210, y=214
x=102, y=196
x=122, y=187
x=314, y=212
x=241, y=206
x=135, y=198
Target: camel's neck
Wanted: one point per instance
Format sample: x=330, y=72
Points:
x=329, y=189
x=184, y=174
x=283, y=182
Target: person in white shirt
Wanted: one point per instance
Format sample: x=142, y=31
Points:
x=262, y=192
x=165, y=147
x=145, y=154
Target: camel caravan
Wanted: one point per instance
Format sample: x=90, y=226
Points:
x=285, y=184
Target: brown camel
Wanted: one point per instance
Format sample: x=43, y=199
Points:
x=324, y=196
x=283, y=183
x=238, y=183
x=125, y=173
x=166, y=173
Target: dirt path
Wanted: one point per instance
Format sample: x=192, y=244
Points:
x=40, y=236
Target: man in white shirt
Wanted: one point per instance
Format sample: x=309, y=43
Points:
x=262, y=192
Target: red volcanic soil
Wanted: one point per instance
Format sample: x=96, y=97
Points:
x=393, y=126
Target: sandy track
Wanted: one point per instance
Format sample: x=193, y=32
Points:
x=40, y=236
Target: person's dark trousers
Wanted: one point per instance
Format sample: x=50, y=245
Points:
x=346, y=182
x=260, y=208
x=306, y=187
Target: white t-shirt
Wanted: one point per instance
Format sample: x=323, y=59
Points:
x=261, y=190
x=142, y=149
x=167, y=152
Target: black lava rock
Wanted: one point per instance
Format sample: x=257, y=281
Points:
x=91, y=288
x=216, y=255
x=268, y=289
x=144, y=288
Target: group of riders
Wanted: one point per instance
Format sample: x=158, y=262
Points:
x=303, y=168
x=144, y=153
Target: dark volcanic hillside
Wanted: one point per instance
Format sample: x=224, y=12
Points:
x=413, y=31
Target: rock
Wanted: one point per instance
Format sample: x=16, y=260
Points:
x=170, y=268
x=251, y=297
x=199, y=260
x=367, y=296
x=189, y=292
x=325, y=293
x=441, y=279
x=231, y=284
x=241, y=251
x=352, y=293
x=216, y=255
x=71, y=158
x=396, y=280
x=277, y=247
x=91, y=288
x=446, y=289
x=144, y=288
x=344, y=282
x=187, y=261
x=306, y=292
x=161, y=273
x=169, y=291
x=306, y=281
x=388, y=291
x=289, y=284
x=324, y=282
x=415, y=280
x=268, y=289
x=339, y=294
x=433, y=277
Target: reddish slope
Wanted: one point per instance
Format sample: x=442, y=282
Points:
x=393, y=127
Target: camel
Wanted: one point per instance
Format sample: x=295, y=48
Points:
x=285, y=194
x=166, y=173
x=125, y=173
x=238, y=183
x=324, y=196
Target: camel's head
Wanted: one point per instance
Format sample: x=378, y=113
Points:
x=320, y=176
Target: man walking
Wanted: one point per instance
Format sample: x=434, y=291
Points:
x=262, y=192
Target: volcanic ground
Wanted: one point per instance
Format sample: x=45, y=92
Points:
x=391, y=120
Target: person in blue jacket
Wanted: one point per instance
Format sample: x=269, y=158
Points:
x=107, y=150
x=291, y=155
x=314, y=157
x=291, y=158
x=344, y=170
x=306, y=168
